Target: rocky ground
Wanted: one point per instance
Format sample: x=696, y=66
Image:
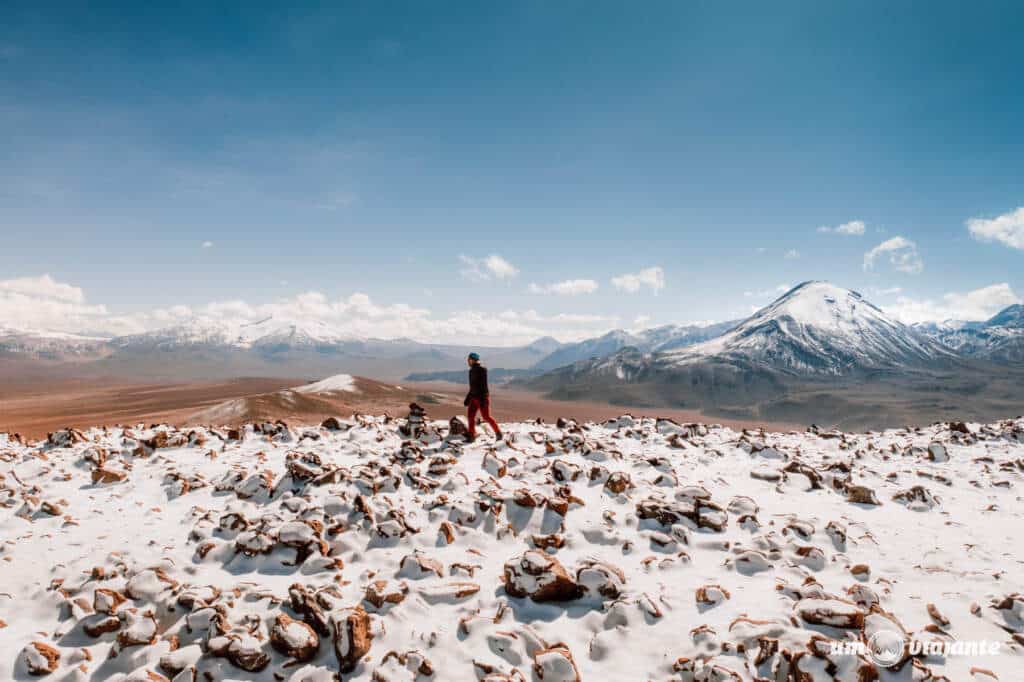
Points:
x=387, y=549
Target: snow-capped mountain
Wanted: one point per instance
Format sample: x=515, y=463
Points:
x=48, y=344
x=999, y=339
x=817, y=328
x=649, y=340
x=212, y=333
x=597, y=347
x=208, y=348
x=1011, y=316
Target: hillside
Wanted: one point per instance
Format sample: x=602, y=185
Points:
x=288, y=552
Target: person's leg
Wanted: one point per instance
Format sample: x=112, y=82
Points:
x=485, y=412
x=474, y=405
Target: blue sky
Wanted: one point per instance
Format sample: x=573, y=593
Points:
x=389, y=149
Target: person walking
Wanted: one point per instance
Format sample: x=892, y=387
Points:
x=479, y=397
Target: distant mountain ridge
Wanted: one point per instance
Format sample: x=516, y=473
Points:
x=818, y=353
x=649, y=340
x=203, y=347
x=815, y=329
x=999, y=338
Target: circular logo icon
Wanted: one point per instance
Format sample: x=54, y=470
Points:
x=885, y=648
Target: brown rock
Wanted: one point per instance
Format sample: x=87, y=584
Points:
x=351, y=636
x=412, y=661
x=861, y=571
x=836, y=613
x=600, y=578
x=99, y=625
x=303, y=603
x=859, y=494
x=294, y=638
x=555, y=664
x=539, y=576
x=710, y=595
x=332, y=424
x=247, y=653
x=40, y=658
x=139, y=630
x=937, y=615
x=381, y=592
x=105, y=600
x=618, y=482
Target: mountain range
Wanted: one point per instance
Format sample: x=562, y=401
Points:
x=818, y=352
x=815, y=338
x=205, y=348
x=1000, y=338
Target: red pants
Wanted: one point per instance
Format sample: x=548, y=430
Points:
x=484, y=406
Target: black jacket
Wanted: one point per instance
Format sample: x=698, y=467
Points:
x=477, y=383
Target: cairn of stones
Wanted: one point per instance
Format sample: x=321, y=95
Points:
x=416, y=423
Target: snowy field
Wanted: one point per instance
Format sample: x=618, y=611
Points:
x=629, y=550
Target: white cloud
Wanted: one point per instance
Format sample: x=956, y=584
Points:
x=902, y=254
x=1007, y=229
x=889, y=291
x=853, y=228
x=979, y=304
x=653, y=278
x=44, y=287
x=481, y=269
x=207, y=245
x=792, y=254
x=773, y=292
x=570, y=287
x=43, y=303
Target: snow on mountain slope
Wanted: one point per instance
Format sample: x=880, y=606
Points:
x=48, y=344
x=198, y=331
x=817, y=328
x=649, y=340
x=1000, y=338
x=598, y=347
x=338, y=382
x=205, y=331
x=1011, y=317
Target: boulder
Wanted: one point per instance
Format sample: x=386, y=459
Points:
x=40, y=658
x=836, y=613
x=541, y=577
x=293, y=638
x=351, y=636
x=555, y=664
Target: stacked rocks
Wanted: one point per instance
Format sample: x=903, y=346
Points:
x=416, y=422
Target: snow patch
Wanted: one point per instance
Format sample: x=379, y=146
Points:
x=338, y=382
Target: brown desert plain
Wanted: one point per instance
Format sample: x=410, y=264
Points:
x=36, y=407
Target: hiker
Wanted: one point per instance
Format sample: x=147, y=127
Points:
x=479, y=398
